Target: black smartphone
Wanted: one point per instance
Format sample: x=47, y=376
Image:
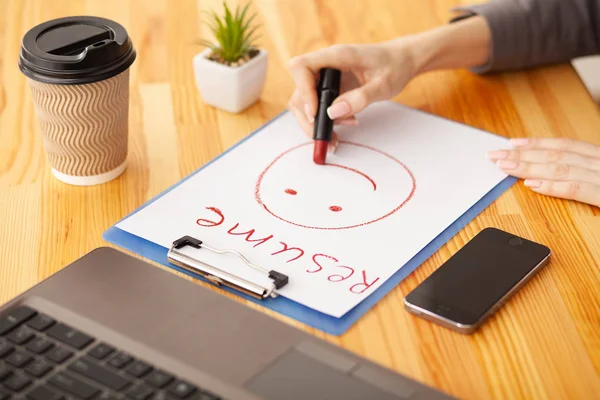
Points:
x=477, y=280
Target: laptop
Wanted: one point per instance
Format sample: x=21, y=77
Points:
x=111, y=326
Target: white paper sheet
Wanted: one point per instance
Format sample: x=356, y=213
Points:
x=339, y=231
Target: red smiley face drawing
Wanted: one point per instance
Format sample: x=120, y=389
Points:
x=358, y=186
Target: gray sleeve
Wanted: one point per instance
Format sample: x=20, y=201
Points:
x=528, y=33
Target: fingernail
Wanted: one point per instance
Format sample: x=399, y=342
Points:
x=338, y=110
x=506, y=164
x=519, y=142
x=497, y=155
x=309, y=115
x=333, y=145
x=532, y=183
x=349, y=122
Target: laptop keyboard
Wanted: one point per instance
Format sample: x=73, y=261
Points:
x=44, y=359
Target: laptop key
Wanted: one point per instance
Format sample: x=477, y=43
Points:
x=38, y=368
x=140, y=392
x=101, y=351
x=59, y=355
x=20, y=336
x=181, y=389
x=71, y=384
x=162, y=396
x=17, y=382
x=14, y=318
x=205, y=396
x=108, y=396
x=89, y=369
x=41, y=322
x=69, y=336
x=120, y=360
x=18, y=359
x=44, y=393
x=39, y=345
x=159, y=378
x=138, y=369
x=5, y=371
x=5, y=347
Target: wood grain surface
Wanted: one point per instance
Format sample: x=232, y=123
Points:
x=545, y=343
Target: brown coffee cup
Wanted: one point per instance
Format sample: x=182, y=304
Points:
x=78, y=72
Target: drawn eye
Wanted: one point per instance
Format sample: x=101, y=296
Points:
x=291, y=191
x=335, y=208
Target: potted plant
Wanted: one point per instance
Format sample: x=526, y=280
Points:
x=231, y=73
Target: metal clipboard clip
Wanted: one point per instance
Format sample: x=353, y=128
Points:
x=219, y=277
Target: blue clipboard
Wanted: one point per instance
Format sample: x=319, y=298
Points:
x=282, y=305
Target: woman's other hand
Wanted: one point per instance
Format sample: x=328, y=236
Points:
x=561, y=167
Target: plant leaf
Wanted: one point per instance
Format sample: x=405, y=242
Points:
x=206, y=43
x=220, y=30
x=236, y=38
x=243, y=15
x=247, y=24
x=229, y=33
x=218, y=21
x=249, y=37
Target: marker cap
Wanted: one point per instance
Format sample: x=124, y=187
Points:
x=329, y=79
x=327, y=90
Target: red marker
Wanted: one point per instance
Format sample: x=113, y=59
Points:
x=327, y=90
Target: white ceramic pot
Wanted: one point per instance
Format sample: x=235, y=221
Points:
x=230, y=88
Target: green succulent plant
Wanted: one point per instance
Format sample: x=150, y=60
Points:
x=233, y=33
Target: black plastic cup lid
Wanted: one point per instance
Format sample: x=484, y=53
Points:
x=76, y=50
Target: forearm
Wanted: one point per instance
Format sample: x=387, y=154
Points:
x=509, y=34
x=529, y=33
x=464, y=44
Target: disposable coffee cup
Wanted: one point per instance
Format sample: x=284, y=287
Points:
x=78, y=73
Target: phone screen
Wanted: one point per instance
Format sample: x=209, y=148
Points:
x=473, y=280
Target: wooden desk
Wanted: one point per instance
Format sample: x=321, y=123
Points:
x=544, y=344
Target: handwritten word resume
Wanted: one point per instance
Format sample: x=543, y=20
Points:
x=338, y=230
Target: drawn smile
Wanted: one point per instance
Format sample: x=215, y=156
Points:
x=357, y=172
